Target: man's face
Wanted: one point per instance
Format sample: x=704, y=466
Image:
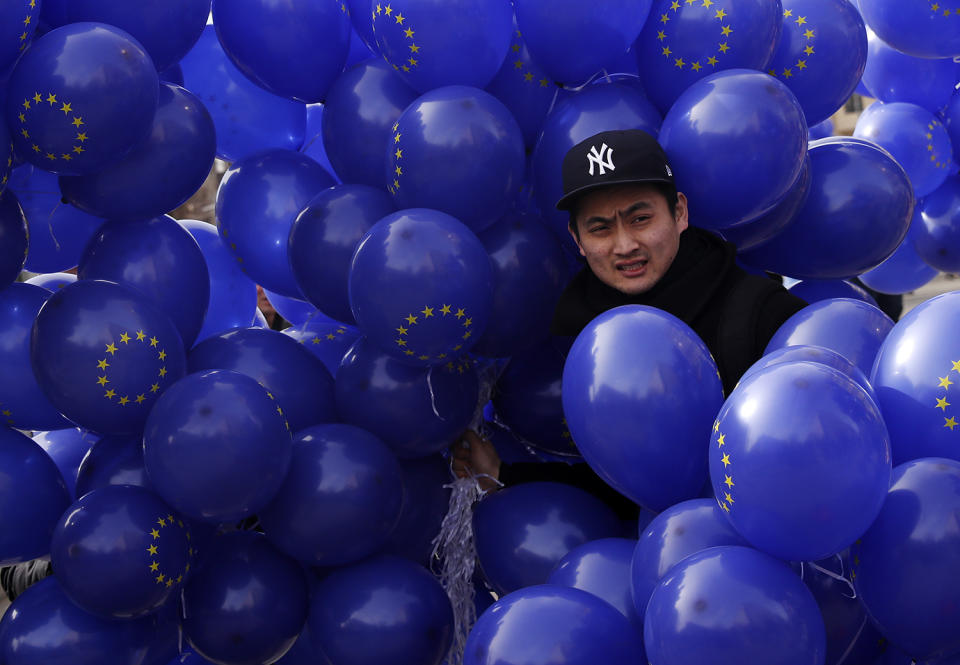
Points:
x=628, y=236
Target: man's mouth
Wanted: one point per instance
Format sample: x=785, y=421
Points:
x=633, y=267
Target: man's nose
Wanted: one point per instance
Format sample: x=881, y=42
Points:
x=624, y=242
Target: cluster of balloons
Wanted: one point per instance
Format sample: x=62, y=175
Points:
x=393, y=167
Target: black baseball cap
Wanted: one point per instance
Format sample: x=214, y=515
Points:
x=618, y=157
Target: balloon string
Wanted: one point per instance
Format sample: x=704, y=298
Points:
x=50, y=225
x=835, y=576
x=433, y=397
x=853, y=642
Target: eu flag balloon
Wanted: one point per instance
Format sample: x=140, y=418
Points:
x=14, y=238
x=815, y=354
x=733, y=172
x=67, y=448
x=81, y=98
x=6, y=156
x=938, y=233
x=904, y=270
x=682, y=42
x=113, y=460
x=426, y=499
x=18, y=21
x=327, y=340
x=103, y=353
x=782, y=454
x=815, y=290
x=921, y=29
x=893, y=76
x=292, y=50
x=433, y=43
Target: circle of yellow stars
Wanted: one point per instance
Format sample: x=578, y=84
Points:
x=110, y=352
x=932, y=126
x=942, y=403
x=7, y=414
x=315, y=339
x=28, y=20
x=722, y=46
x=726, y=500
x=525, y=69
x=420, y=317
x=808, y=33
x=939, y=9
x=286, y=423
x=397, y=20
x=70, y=116
x=153, y=550
x=6, y=171
x=394, y=187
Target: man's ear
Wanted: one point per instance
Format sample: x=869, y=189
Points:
x=576, y=237
x=682, y=212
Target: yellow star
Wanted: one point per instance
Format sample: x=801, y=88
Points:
x=154, y=341
x=160, y=578
x=102, y=380
x=124, y=400
x=808, y=50
x=423, y=357
x=401, y=330
x=515, y=48
x=408, y=352
x=664, y=18
x=66, y=108
x=467, y=334
x=801, y=64
x=413, y=48
x=396, y=139
x=111, y=349
x=163, y=371
x=52, y=99
x=103, y=364
x=398, y=170
x=729, y=499
x=408, y=33
x=808, y=34
x=801, y=20
x=468, y=322
x=179, y=579
x=37, y=97
x=942, y=403
x=396, y=183
x=331, y=336
x=162, y=522
x=379, y=9
x=50, y=155
x=944, y=382
x=388, y=10
x=36, y=148
x=26, y=104
x=721, y=14
x=110, y=394
x=27, y=20
x=400, y=18
x=696, y=66
x=787, y=73
x=725, y=507
x=518, y=64
x=427, y=312
x=399, y=153
x=728, y=481
x=77, y=122
x=125, y=338
x=22, y=117
x=411, y=319
x=674, y=5
x=787, y=13
x=707, y=3
x=723, y=48
x=458, y=347
x=678, y=62
x=950, y=422
x=725, y=459
x=726, y=30
x=152, y=549
x=140, y=336
x=720, y=442
x=413, y=61
x=315, y=340
x=162, y=355
x=154, y=566
x=661, y=35
x=66, y=156
x=528, y=77
x=712, y=61
x=666, y=50
x=460, y=314
x=716, y=426
x=155, y=387
x=445, y=310
x=140, y=399
x=25, y=133
x=401, y=342
x=77, y=149
x=155, y=533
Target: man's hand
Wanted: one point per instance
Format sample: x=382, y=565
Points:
x=475, y=455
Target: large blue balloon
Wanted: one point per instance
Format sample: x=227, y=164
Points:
x=914, y=136
x=158, y=258
x=821, y=54
x=217, y=447
x=426, y=498
x=331, y=226
x=800, y=460
x=302, y=386
x=246, y=603
x=340, y=500
x=18, y=21
x=362, y=18
x=725, y=189
x=821, y=130
x=313, y=140
x=81, y=98
x=22, y=402
x=32, y=499
x=421, y=286
x=904, y=270
x=384, y=610
x=294, y=310
x=233, y=297
x=904, y=565
x=852, y=328
x=856, y=214
x=416, y=411
x=547, y=625
x=113, y=460
x=914, y=371
x=67, y=448
x=893, y=76
x=522, y=532
x=120, y=552
x=327, y=340
x=258, y=199
x=426, y=159
x=292, y=50
x=627, y=364
x=433, y=43
x=358, y=116
x=733, y=604
x=45, y=626
x=14, y=238
x=938, y=232
x=815, y=290
x=161, y=172
x=103, y=353
x=247, y=118
x=816, y=354
x=683, y=42
x=921, y=29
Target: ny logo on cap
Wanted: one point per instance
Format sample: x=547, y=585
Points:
x=602, y=160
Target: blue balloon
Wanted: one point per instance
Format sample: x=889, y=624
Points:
x=81, y=98
x=166, y=30
x=529, y=273
x=313, y=139
x=113, y=460
x=904, y=270
x=358, y=116
x=893, y=76
x=246, y=603
x=173, y=74
x=821, y=54
x=302, y=386
x=52, y=281
x=522, y=532
x=903, y=565
x=630, y=362
x=247, y=118
x=14, y=237
x=596, y=108
x=679, y=531
x=912, y=375
x=160, y=173
x=443, y=42
x=416, y=411
x=549, y=624
x=572, y=40
x=914, y=136
x=602, y=568
x=6, y=152
x=45, y=626
x=103, y=353
x=938, y=232
x=217, y=447
x=683, y=42
x=816, y=354
x=815, y=290
x=233, y=297
x=725, y=190
x=258, y=200
x=58, y=231
x=733, y=604
x=383, y=610
x=426, y=498
x=951, y=120
x=294, y=310
x=120, y=552
x=340, y=500
x=821, y=130
x=332, y=225
x=853, y=328
x=923, y=30
x=361, y=16
x=276, y=45
x=800, y=460
x=67, y=448
x=159, y=259
x=421, y=286
x=327, y=340
x=18, y=21
x=856, y=214
x=32, y=499
x=426, y=163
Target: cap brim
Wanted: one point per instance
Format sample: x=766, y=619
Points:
x=566, y=201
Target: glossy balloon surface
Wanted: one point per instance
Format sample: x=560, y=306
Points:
x=922, y=30
x=67, y=447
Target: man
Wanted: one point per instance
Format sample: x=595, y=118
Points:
x=632, y=228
